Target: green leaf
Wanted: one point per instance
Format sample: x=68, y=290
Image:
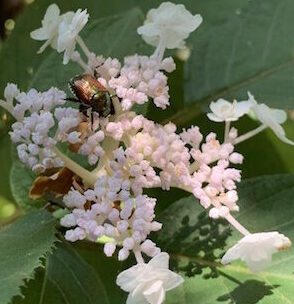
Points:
x=251, y=51
x=69, y=278
x=22, y=246
x=21, y=180
x=5, y=166
x=196, y=244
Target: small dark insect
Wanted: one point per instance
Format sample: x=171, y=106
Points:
x=91, y=94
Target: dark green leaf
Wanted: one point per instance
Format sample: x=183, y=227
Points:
x=22, y=246
x=251, y=51
x=69, y=278
x=21, y=180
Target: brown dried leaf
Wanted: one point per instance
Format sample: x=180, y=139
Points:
x=58, y=183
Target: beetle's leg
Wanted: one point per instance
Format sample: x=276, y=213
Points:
x=92, y=120
x=72, y=99
x=84, y=109
x=110, y=103
x=112, y=111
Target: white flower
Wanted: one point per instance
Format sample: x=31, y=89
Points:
x=49, y=29
x=272, y=118
x=256, y=249
x=169, y=24
x=223, y=110
x=147, y=283
x=68, y=32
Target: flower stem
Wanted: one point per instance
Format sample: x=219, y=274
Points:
x=237, y=225
x=249, y=134
x=84, y=48
x=138, y=256
x=159, y=51
x=109, y=144
x=81, y=63
x=86, y=175
x=227, y=130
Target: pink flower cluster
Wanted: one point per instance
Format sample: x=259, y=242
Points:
x=180, y=159
x=139, y=79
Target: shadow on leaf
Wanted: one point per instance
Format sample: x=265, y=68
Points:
x=195, y=242
x=249, y=292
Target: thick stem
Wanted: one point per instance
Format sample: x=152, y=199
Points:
x=249, y=134
x=237, y=225
x=109, y=144
x=86, y=175
x=194, y=166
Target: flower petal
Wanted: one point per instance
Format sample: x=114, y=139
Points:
x=280, y=116
x=256, y=249
x=160, y=261
x=128, y=280
x=155, y=294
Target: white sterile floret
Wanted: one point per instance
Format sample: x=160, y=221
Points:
x=169, y=25
x=256, y=249
x=49, y=29
x=223, y=110
x=68, y=32
x=148, y=283
x=272, y=118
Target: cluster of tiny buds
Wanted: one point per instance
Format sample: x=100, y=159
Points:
x=41, y=124
x=139, y=79
x=109, y=211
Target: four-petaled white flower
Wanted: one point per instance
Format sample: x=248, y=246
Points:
x=169, y=25
x=256, y=249
x=147, y=283
x=61, y=31
x=68, y=32
x=272, y=118
x=223, y=110
x=49, y=29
